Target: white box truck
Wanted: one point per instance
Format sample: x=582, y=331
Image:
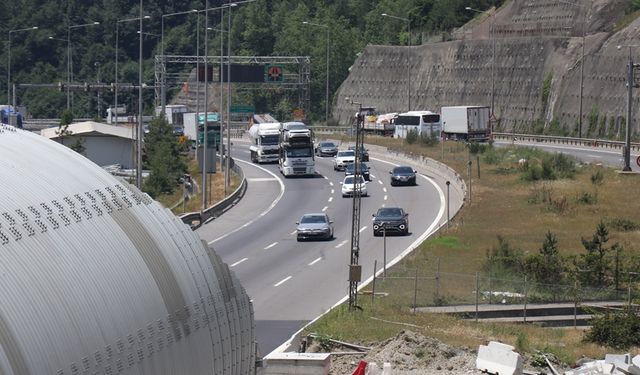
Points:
x=470, y=123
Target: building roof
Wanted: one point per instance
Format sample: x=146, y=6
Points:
x=91, y=128
x=97, y=277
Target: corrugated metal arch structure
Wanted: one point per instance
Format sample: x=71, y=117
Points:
x=97, y=278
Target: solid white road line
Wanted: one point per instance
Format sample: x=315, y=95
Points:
x=330, y=199
x=325, y=208
x=363, y=228
x=238, y=262
x=270, y=246
x=341, y=244
x=262, y=213
x=315, y=261
x=282, y=281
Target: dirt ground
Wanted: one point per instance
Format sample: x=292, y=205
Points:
x=409, y=353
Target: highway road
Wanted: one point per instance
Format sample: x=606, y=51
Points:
x=291, y=282
x=608, y=157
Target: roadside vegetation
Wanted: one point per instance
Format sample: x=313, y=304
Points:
x=571, y=229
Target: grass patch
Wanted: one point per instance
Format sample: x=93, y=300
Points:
x=518, y=210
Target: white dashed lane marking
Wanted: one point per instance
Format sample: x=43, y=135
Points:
x=315, y=261
x=238, y=262
x=341, y=244
x=282, y=281
x=270, y=246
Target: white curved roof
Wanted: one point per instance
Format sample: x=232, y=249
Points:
x=98, y=278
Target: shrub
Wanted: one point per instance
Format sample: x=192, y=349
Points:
x=617, y=329
x=412, y=136
x=503, y=260
x=586, y=198
x=624, y=225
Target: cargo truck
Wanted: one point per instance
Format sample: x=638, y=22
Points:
x=296, y=156
x=265, y=138
x=469, y=123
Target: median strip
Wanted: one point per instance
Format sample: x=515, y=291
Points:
x=282, y=281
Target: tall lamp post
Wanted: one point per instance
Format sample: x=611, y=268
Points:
x=631, y=67
x=326, y=105
x=408, y=21
x=115, y=105
x=163, y=89
x=9, y=59
x=71, y=27
x=493, y=57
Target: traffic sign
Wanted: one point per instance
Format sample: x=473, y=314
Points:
x=274, y=74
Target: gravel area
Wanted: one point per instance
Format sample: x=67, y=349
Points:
x=409, y=353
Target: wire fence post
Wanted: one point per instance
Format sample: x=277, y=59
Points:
x=373, y=286
x=477, y=294
x=575, y=305
x=525, y=298
x=415, y=292
x=437, y=279
x=490, y=291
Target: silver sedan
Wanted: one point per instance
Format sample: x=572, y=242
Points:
x=315, y=226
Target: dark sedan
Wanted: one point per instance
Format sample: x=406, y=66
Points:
x=315, y=226
x=403, y=175
x=363, y=155
x=390, y=220
x=363, y=169
x=326, y=149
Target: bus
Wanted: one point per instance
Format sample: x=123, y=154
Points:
x=425, y=123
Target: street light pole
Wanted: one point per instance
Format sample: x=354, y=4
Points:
x=9, y=59
x=140, y=128
x=408, y=21
x=69, y=56
x=326, y=106
x=227, y=177
x=116, y=67
x=627, y=137
x=163, y=84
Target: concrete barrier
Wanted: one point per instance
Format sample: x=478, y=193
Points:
x=499, y=358
x=296, y=363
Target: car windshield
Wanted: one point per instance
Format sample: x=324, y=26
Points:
x=313, y=219
x=403, y=170
x=390, y=212
x=361, y=167
x=327, y=144
x=295, y=127
x=298, y=152
x=346, y=153
x=349, y=180
x=269, y=140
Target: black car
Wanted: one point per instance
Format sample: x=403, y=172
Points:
x=403, y=175
x=326, y=149
x=390, y=220
x=364, y=170
x=364, y=154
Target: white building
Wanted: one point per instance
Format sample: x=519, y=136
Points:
x=104, y=144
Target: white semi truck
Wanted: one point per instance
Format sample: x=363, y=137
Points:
x=265, y=139
x=470, y=123
x=296, y=157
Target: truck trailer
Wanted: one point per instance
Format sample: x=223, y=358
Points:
x=469, y=123
x=296, y=156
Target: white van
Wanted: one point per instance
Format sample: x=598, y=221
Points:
x=424, y=122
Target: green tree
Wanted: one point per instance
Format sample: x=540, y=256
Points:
x=63, y=128
x=594, y=265
x=547, y=266
x=163, y=157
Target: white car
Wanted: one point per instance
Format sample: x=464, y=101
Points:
x=348, y=186
x=342, y=158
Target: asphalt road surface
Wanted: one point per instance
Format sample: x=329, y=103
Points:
x=290, y=282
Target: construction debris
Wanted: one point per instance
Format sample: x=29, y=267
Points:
x=499, y=358
x=620, y=364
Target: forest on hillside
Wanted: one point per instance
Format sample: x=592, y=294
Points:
x=259, y=28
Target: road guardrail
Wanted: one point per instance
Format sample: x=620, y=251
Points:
x=196, y=219
x=591, y=142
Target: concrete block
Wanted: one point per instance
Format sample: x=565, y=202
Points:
x=622, y=358
x=386, y=369
x=636, y=360
x=297, y=363
x=373, y=369
x=498, y=358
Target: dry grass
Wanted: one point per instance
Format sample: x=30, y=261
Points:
x=502, y=204
x=194, y=204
